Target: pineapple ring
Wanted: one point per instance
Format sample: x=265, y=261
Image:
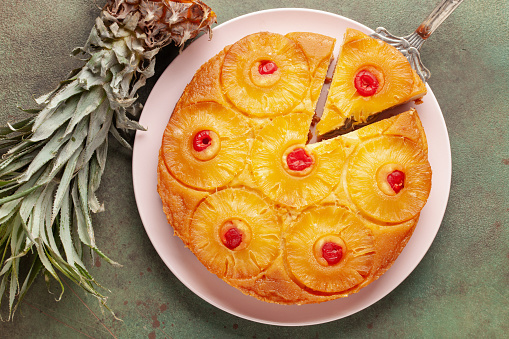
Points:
x=274, y=180
x=377, y=155
x=329, y=222
x=387, y=64
x=254, y=214
x=265, y=95
x=228, y=157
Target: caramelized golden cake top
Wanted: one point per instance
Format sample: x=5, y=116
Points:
x=272, y=215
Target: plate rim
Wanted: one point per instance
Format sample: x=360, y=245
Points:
x=136, y=150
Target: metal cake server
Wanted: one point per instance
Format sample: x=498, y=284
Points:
x=411, y=44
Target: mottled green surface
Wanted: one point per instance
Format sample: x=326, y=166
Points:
x=460, y=289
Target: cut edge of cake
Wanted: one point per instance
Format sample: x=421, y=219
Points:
x=345, y=108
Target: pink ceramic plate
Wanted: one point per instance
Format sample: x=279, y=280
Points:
x=184, y=264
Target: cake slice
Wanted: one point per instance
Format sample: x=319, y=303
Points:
x=370, y=77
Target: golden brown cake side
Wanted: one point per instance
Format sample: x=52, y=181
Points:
x=179, y=201
x=205, y=85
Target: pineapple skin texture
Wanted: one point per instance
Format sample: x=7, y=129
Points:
x=276, y=282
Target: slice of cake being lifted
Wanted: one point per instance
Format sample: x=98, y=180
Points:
x=370, y=77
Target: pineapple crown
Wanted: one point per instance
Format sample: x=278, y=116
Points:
x=57, y=158
x=121, y=48
x=162, y=21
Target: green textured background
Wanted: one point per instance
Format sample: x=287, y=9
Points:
x=460, y=288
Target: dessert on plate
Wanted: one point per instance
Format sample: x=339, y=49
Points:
x=369, y=78
x=277, y=217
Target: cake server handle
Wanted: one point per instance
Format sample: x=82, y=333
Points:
x=411, y=44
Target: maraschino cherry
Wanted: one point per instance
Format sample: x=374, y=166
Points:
x=267, y=67
x=332, y=252
x=202, y=140
x=298, y=159
x=396, y=180
x=366, y=83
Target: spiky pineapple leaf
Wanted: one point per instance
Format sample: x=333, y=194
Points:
x=55, y=120
x=88, y=103
x=65, y=229
x=10, y=168
x=81, y=225
x=66, y=92
x=21, y=126
x=18, y=195
x=35, y=268
x=76, y=141
x=53, y=167
x=65, y=182
x=48, y=152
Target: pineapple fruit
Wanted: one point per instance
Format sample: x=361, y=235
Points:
x=329, y=249
x=205, y=145
x=235, y=233
x=389, y=178
x=279, y=218
x=370, y=77
x=289, y=171
x=53, y=161
x=265, y=74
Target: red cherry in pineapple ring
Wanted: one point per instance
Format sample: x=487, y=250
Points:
x=267, y=67
x=332, y=253
x=366, y=83
x=298, y=160
x=202, y=140
x=232, y=238
x=396, y=180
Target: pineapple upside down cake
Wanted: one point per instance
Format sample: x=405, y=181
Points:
x=277, y=217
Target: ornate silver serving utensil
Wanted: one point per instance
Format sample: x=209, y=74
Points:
x=411, y=44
